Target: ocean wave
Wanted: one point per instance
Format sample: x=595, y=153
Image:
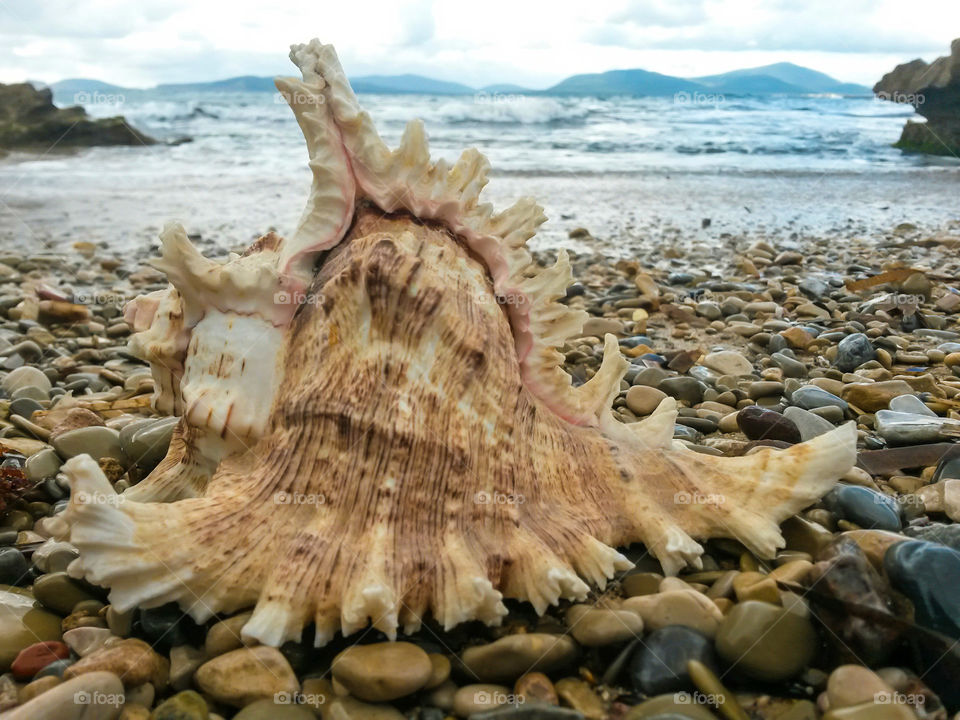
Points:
x=512, y=110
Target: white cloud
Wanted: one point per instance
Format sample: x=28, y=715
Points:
x=529, y=42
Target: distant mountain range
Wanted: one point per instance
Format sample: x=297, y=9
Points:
x=780, y=78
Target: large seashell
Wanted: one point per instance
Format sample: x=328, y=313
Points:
x=369, y=433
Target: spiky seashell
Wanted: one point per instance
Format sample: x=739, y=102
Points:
x=375, y=424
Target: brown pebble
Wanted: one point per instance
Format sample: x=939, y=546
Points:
x=536, y=687
x=581, y=697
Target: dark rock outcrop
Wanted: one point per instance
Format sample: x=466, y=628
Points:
x=934, y=91
x=29, y=120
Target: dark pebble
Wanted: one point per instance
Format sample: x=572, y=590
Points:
x=703, y=425
x=928, y=574
x=13, y=567
x=949, y=466
x=853, y=351
x=25, y=407
x=52, y=489
x=660, y=664
x=167, y=626
x=688, y=389
x=758, y=423
x=844, y=574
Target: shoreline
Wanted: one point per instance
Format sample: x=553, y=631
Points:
x=622, y=213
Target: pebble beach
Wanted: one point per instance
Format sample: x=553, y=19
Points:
x=764, y=343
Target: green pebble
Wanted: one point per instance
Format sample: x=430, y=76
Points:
x=186, y=705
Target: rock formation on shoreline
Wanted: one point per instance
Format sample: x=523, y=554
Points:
x=934, y=91
x=30, y=120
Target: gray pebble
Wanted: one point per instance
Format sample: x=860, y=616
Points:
x=911, y=404
x=809, y=397
x=810, y=425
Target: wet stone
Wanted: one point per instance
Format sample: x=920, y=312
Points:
x=75, y=419
x=42, y=465
x=754, y=634
x=872, y=397
x=948, y=535
x=535, y=688
x=688, y=389
x=510, y=657
x=760, y=424
x=243, y=676
x=86, y=640
x=592, y=626
x=659, y=664
x=643, y=399
x=478, y=697
x=928, y=574
x=14, y=569
x=270, y=710
x=854, y=684
x=853, y=351
x=813, y=288
x=672, y=706
x=148, y=445
x=844, y=573
x=809, y=397
x=635, y=340
x=36, y=688
x=677, y=607
x=728, y=362
x=867, y=508
x=96, y=441
x=22, y=625
x=25, y=376
x=187, y=705
x=791, y=367
x=55, y=669
x=167, y=626
x=907, y=429
x=24, y=407
x=910, y=404
x=59, y=592
x=641, y=583
x=528, y=712
x=30, y=392
x=132, y=659
x=382, y=671
x=65, y=701
x=34, y=658
x=808, y=424
x=765, y=388
x=651, y=376
x=581, y=697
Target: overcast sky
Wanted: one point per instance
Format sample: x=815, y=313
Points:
x=142, y=42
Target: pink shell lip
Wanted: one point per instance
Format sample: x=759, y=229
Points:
x=323, y=76
x=139, y=312
x=352, y=166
